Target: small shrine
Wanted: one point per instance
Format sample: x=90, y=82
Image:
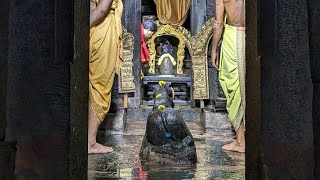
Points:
x=177, y=53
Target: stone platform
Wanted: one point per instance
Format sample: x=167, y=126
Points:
x=206, y=117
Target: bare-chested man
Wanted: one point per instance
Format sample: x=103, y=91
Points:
x=104, y=62
x=230, y=26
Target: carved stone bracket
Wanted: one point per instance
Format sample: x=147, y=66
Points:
x=199, y=46
x=126, y=78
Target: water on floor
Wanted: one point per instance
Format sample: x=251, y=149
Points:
x=124, y=162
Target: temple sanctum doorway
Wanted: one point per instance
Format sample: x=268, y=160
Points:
x=193, y=79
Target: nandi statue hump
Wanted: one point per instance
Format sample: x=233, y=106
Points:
x=167, y=135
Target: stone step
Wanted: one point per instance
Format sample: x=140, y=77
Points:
x=141, y=114
x=207, y=118
x=180, y=102
x=176, y=93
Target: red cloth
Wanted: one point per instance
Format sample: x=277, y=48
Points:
x=145, y=56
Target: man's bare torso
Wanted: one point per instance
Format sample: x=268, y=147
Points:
x=235, y=10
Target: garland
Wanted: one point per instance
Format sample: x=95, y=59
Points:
x=164, y=56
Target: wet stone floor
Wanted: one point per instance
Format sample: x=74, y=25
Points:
x=124, y=162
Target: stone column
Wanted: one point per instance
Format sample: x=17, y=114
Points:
x=79, y=92
x=314, y=36
x=4, y=23
x=132, y=20
x=253, y=93
x=198, y=13
x=286, y=91
x=7, y=150
x=38, y=93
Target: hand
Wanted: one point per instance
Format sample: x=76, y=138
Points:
x=214, y=59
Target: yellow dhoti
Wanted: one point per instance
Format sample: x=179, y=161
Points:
x=174, y=12
x=104, y=61
x=232, y=72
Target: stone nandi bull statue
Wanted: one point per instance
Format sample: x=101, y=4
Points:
x=167, y=135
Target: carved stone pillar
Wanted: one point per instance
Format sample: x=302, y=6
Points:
x=126, y=79
x=199, y=55
x=132, y=22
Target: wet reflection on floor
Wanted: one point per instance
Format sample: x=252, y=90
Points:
x=124, y=162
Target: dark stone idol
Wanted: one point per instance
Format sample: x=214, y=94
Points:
x=167, y=136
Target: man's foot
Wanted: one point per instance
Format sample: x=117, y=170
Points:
x=99, y=149
x=234, y=146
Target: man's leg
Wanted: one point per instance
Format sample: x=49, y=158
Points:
x=93, y=127
x=239, y=145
